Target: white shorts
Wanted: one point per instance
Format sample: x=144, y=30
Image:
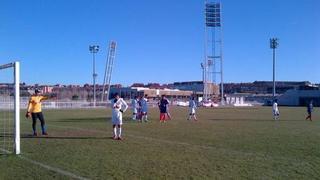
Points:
x=192, y=111
x=276, y=113
x=116, y=117
x=134, y=110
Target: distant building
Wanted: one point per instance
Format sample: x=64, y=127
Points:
x=47, y=89
x=263, y=87
x=300, y=96
x=130, y=92
x=195, y=86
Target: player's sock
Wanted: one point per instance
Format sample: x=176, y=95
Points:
x=114, y=132
x=146, y=117
x=119, y=131
x=34, y=128
x=43, y=128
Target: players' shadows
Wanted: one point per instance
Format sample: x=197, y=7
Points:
x=85, y=120
x=92, y=120
x=249, y=120
x=62, y=137
x=30, y=136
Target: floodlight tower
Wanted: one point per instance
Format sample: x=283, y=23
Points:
x=213, y=61
x=94, y=49
x=273, y=45
x=108, y=71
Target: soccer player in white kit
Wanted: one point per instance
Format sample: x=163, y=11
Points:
x=134, y=106
x=144, y=108
x=192, y=109
x=275, y=110
x=119, y=106
x=168, y=113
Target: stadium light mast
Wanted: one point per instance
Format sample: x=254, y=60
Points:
x=213, y=61
x=94, y=49
x=273, y=45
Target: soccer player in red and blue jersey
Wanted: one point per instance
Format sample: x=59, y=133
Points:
x=163, y=106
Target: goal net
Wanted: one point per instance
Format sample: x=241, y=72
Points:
x=9, y=108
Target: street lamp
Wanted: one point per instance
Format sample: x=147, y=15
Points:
x=94, y=49
x=273, y=45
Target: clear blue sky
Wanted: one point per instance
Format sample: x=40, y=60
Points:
x=158, y=41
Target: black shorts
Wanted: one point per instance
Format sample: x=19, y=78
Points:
x=36, y=116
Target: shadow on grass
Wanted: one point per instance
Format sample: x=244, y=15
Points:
x=85, y=120
x=30, y=136
x=91, y=120
x=64, y=137
x=252, y=120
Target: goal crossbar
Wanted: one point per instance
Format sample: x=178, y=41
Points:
x=5, y=66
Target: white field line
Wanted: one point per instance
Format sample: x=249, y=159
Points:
x=145, y=138
x=54, y=169
x=234, y=152
x=230, y=151
x=5, y=151
x=50, y=168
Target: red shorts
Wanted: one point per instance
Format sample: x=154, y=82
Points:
x=163, y=116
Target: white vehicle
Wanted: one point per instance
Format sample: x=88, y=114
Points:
x=209, y=104
x=182, y=103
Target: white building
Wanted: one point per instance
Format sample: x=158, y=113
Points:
x=300, y=97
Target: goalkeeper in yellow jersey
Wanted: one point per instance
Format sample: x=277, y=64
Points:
x=34, y=111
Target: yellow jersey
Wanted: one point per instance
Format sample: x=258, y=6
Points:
x=34, y=105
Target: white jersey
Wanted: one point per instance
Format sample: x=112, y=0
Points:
x=275, y=109
x=134, y=106
x=168, y=106
x=144, y=105
x=192, y=106
x=118, y=105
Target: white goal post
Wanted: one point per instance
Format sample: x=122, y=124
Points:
x=16, y=74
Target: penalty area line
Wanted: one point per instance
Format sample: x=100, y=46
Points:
x=233, y=152
x=50, y=168
x=5, y=151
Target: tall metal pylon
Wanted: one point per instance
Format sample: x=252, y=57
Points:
x=108, y=71
x=213, y=61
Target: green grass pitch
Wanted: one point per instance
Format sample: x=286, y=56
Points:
x=226, y=143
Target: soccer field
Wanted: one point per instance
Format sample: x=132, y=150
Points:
x=226, y=143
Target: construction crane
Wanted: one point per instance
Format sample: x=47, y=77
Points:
x=108, y=71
